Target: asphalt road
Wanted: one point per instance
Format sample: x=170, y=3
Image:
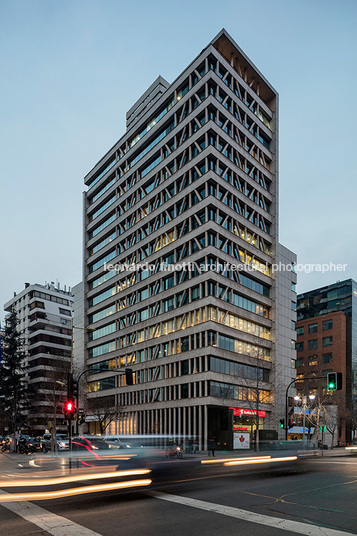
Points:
x=320, y=502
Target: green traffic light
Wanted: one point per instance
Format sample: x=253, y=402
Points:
x=331, y=386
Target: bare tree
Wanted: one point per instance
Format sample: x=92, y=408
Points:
x=54, y=392
x=104, y=410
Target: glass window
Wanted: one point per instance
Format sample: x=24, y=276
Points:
x=103, y=296
x=195, y=293
x=312, y=360
x=102, y=349
x=313, y=328
x=143, y=314
x=184, y=390
x=102, y=172
x=144, y=294
x=169, y=282
x=327, y=341
x=327, y=324
x=300, y=331
x=168, y=305
x=106, y=330
x=299, y=362
x=299, y=346
x=313, y=344
x=184, y=367
x=102, y=261
x=327, y=358
x=185, y=344
x=238, y=369
x=102, y=208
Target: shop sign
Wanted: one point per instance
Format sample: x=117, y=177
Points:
x=244, y=412
x=241, y=441
x=238, y=428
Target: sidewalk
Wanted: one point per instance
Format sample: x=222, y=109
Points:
x=338, y=451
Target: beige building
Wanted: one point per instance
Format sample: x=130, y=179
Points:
x=181, y=235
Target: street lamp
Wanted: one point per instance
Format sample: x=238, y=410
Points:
x=304, y=406
x=70, y=378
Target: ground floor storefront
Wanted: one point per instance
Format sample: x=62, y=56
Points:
x=228, y=427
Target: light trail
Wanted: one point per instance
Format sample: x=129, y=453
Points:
x=223, y=460
x=254, y=461
x=17, y=497
x=71, y=478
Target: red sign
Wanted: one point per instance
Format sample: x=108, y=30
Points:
x=243, y=412
x=240, y=428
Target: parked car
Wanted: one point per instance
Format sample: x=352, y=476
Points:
x=89, y=443
x=61, y=442
x=115, y=443
x=35, y=444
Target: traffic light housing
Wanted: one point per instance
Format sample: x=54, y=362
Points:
x=69, y=410
x=334, y=381
x=70, y=386
x=129, y=380
x=75, y=389
x=281, y=423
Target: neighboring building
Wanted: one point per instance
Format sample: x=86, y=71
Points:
x=194, y=180
x=79, y=331
x=45, y=323
x=327, y=341
x=321, y=348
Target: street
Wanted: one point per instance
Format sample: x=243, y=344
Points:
x=321, y=500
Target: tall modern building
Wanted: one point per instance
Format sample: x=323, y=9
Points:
x=45, y=323
x=327, y=342
x=181, y=235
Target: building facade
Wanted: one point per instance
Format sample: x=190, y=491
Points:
x=181, y=236
x=45, y=323
x=322, y=348
x=327, y=342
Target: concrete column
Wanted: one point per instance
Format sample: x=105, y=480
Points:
x=205, y=426
x=195, y=420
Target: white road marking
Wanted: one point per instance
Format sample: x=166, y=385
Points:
x=33, y=464
x=351, y=464
x=55, y=525
x=246, y=515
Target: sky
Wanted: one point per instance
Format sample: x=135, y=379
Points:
x=71, y=69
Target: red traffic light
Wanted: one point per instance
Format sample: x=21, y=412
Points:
x=69, y=410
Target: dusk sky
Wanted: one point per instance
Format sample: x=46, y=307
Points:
x=71, y=69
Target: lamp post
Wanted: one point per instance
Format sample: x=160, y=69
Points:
x=287, y=409
x=304, y=406
x=70, y=378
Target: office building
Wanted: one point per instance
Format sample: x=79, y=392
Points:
x=181, y=235
x=45, y=323
x=327, y=342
